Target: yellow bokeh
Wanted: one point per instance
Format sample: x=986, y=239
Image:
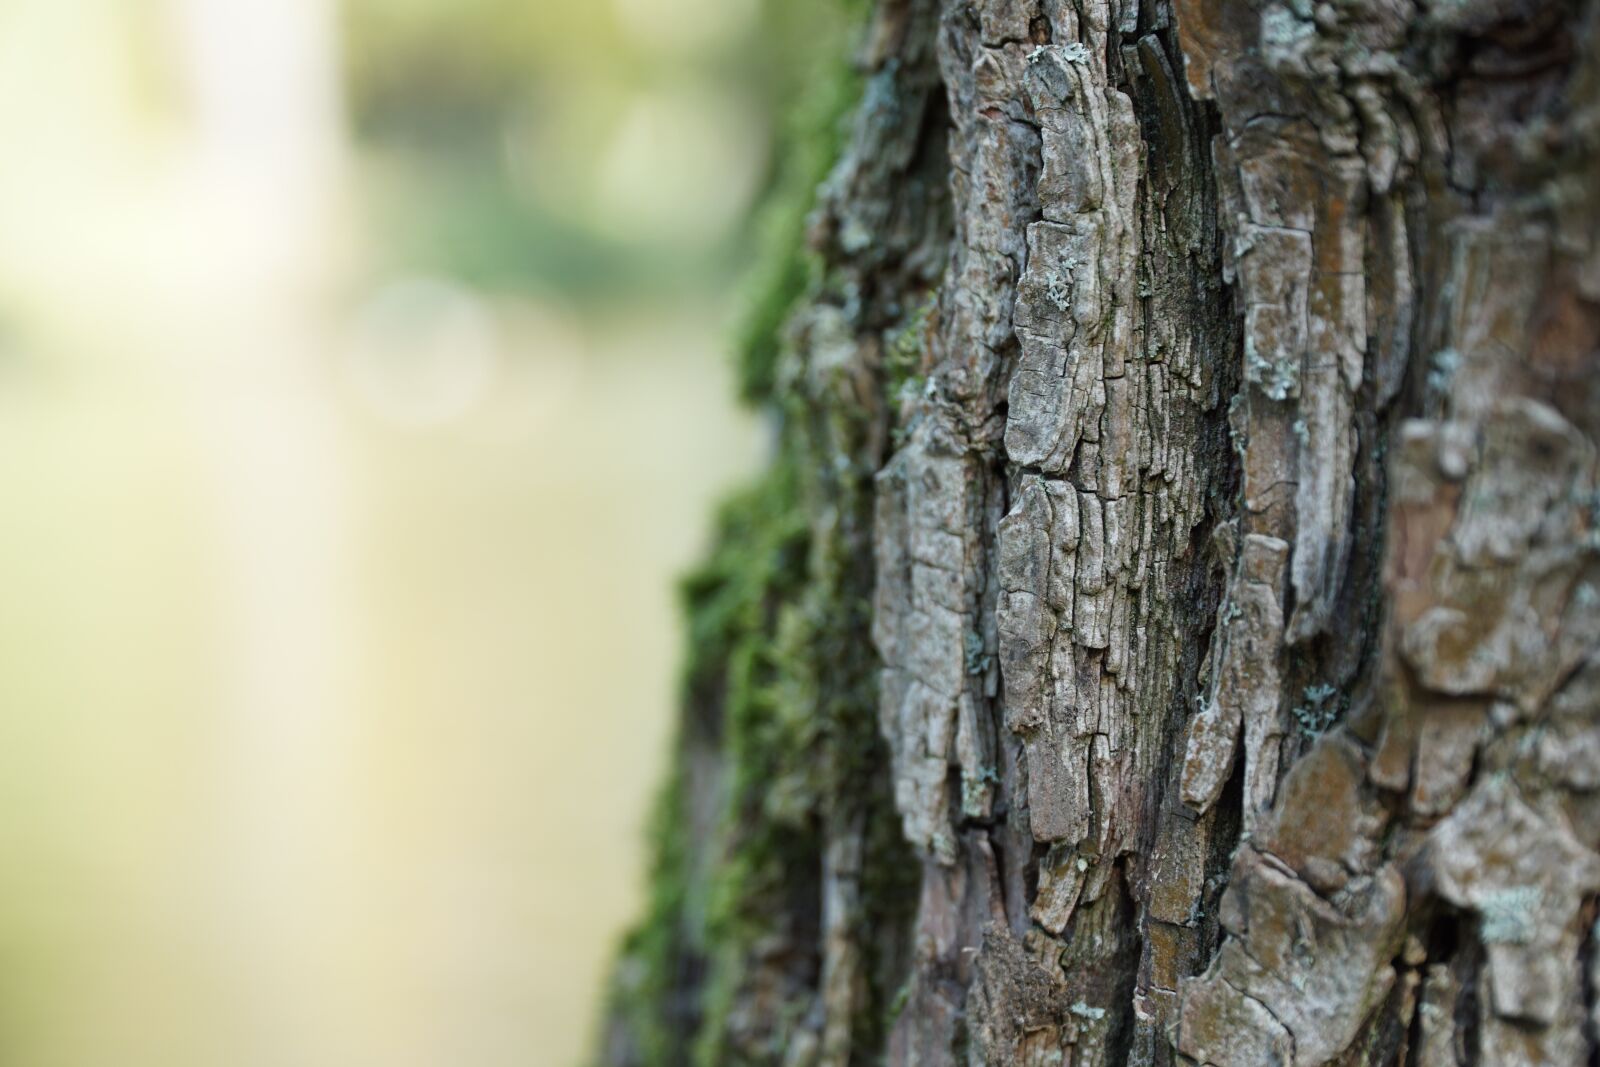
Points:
x=362, y=393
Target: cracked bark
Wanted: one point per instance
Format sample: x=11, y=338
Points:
x=1172, y=630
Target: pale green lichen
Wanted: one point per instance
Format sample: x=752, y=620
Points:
x=978, y=661
x=1319, y=711
x=1283, y=33
x=1278, y=378
x=1509, y=916
x=1059, y=290
x=1442, y=368
x=975, y=790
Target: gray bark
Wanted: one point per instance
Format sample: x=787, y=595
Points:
x=1205, y=393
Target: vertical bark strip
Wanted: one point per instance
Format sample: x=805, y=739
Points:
x=1170, y=632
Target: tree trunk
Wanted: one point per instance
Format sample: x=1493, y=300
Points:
x=1170, y=631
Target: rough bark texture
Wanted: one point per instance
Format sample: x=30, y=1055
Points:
x=1170, y=632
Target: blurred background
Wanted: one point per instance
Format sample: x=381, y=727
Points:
x=363, y=390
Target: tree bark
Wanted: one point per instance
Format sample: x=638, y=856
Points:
x=1170, y=631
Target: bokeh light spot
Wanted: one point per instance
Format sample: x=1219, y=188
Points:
x=423, y=352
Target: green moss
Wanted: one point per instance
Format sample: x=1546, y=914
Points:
x=808, y=146
x=903, y=353
x=758, y=553
x=779, y=618
x=731, y=602
x=779, y=739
